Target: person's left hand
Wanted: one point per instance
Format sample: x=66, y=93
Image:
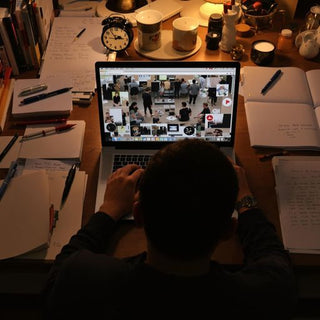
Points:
x=120, y=191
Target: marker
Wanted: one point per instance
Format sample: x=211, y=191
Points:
x=271, y=81
x=9, y=146
x=45, y=132
x=33, y=89
x=44, y=96
x=79, y=34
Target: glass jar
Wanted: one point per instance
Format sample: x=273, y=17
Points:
x=313, y=18
x=285, y=41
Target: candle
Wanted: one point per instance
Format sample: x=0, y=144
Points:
x=264, y=46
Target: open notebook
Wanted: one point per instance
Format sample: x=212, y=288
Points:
x=138, y=131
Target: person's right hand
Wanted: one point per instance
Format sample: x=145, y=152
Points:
x=120, y=191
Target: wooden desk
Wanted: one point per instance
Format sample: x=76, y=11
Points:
x=129, y=240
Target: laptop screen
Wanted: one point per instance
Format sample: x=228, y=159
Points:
x=149, y=103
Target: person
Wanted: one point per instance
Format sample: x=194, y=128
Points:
x=184, y=112
x=147, y=101
x=184, y=88
x=193, y=91
x=134, y=114
x=175, y=278
x=202, y=114
x=177, y=85
x=116, y=99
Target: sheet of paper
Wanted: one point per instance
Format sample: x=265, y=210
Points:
x=74, y=59
x=298, y=190
x=64, y=145
x=24, y=214
x=282, y=125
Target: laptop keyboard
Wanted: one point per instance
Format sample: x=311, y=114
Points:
x=124, y=159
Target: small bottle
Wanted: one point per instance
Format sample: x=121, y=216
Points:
x=285, y=41
x=215, y=23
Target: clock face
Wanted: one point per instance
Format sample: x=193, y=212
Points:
x=116, y=39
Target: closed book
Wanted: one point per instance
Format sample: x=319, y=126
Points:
x=7, y=43
x=15, y=43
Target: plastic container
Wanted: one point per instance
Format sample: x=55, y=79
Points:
x=285, y=41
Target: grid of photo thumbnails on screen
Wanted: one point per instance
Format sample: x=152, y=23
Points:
x=209, y=116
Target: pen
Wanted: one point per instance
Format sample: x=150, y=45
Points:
x=79, y=34
x=45, y=132
x=8, y=146
x=271, y=155
x=7, y=179
x=44, y=121
x=43, y=96
x=271, y=81
x=32, y=89
x=68, y=184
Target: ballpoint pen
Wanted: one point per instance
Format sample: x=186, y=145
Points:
x=6, y=181
x=44, y=96
x=68, y=184
x=8, y=146
x=271, y=81
x=79, y=34
x=33, y=89
x=45, y=132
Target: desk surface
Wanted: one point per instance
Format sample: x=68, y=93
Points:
x=130, y=240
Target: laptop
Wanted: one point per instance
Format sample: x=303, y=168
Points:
x=133, y=130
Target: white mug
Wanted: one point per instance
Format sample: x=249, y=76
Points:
x=185, y=32
x=149, y=29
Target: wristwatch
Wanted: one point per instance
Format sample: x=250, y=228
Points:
x=247, y=202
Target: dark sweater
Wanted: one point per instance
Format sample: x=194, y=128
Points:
x=85, y=282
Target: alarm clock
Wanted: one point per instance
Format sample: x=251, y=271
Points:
x=117, y=33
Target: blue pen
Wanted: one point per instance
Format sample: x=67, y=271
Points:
x=271, y=81
x=6, y=181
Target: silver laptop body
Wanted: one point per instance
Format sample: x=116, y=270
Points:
x=129, y=126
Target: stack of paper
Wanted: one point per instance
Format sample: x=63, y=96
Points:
x=70, y=215
x=24, y=214
x=298, y=190
x=60, y=104
x=65, y=145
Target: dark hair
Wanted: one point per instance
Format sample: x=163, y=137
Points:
x=187, y=196
x=184, y=104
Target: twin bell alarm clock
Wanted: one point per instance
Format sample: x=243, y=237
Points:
x=117, y=33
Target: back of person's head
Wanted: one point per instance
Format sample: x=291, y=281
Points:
x=184, y=104
x=187, y=196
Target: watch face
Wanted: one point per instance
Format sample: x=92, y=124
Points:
x=115, y=39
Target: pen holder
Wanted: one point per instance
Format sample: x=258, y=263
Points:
x=262, y=52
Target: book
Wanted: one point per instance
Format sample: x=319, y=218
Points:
x=5, y=100
x=6, y=42
x=56, y=105
x=32, y=38
x=24, y=215
x=288, y=114
x=65, y=145
x=297, y=181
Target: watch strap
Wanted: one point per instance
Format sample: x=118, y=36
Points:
x=247, y=202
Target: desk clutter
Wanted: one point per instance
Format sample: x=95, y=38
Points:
x=42, y=172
